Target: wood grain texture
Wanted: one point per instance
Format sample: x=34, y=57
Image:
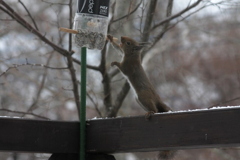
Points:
x=186, y=130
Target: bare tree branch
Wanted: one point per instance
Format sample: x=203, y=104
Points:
x=6, y=19
x=95, y=104
x=70, y=26
x=29, y=14
x=129, y=8
x=183, y=18
x=113, y=73
x=225, y=102
x=148, y=20
x=165, y=25
x=106, y=81
x=25, y=113
x=9, y=13
x=34, y=104
x=119, y=100
x=74, y=82
x=125, y=16
x=176, y=15
x=15, y=66
x=52, y=3
x=70, y=63
x=26, y=25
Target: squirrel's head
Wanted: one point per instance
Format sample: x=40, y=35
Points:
x=130, y=46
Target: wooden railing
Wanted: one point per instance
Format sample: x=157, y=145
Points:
x=174, y=131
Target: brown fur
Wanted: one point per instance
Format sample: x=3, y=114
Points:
x=131, y=67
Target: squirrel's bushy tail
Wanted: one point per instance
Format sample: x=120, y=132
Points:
x=166, y=154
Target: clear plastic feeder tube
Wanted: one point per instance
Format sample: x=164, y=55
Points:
x=91, y=22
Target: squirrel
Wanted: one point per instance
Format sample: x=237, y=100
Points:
x=132, y=68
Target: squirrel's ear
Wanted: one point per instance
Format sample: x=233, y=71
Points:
x=138, y=48
x=142, y=45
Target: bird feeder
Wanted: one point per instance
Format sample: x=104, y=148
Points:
x=91, y=22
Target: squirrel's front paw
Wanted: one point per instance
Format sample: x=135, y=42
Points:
x=148, y=115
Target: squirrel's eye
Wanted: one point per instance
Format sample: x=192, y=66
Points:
x=128, y=43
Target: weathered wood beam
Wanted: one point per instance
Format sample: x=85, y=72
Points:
x=183, y=130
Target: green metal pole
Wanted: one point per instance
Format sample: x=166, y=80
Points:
x=83, y=103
